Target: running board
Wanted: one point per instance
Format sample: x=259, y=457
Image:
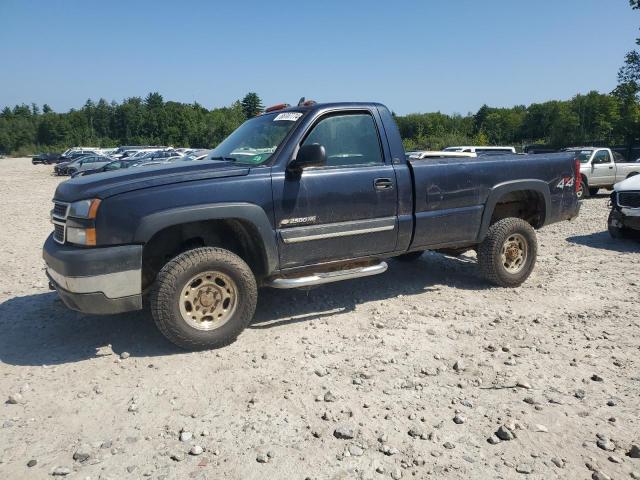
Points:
x=327, y=277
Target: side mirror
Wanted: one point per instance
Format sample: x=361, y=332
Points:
x=313, y=155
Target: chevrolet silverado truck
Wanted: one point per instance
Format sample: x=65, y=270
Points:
x=602, y=168
x=295, y=197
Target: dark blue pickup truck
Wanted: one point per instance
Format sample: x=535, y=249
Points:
x=295, y=197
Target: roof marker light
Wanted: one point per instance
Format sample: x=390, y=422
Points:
x=279, y=106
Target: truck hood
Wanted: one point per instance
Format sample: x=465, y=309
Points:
x=632, y=183
x=107, y=184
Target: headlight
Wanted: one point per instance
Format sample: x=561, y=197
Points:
x=87, y=210
x=84, y=208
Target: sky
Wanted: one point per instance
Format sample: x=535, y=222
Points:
x=451, y=56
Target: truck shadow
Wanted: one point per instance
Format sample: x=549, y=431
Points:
x=39, y=330
x=603, y=240
x=412, y=278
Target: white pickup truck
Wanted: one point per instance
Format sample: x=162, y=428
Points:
x=602, y=168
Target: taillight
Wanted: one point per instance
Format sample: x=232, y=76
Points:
x=578, y=181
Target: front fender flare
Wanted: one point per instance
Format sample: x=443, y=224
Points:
x=248, y=212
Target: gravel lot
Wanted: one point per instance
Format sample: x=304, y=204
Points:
x=405, y=375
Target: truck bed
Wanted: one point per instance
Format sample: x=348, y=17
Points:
x=451, y=193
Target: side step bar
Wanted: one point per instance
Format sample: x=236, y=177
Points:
x=327, y=277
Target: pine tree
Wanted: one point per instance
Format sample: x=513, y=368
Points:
x=251, y=105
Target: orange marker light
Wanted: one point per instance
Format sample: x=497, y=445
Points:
x=90, y=236
x=93, y=209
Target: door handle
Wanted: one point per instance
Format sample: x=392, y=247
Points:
x=383, y=184
x=610, y=168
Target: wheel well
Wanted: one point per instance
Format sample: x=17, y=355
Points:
x=632, y=174
x=237, y=236
x=528, y=205
x=585, y=180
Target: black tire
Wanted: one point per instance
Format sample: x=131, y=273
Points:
x=410, y=257
x=617, y=232
x=165, y=298
x=593, y=191
x=583, y=192
x=490, y=252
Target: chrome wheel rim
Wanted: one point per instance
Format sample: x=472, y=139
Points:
x=514, y=253
x=208, y=300
x=580, y=192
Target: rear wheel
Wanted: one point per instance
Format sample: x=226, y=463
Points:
x=593, y=191
x=508, y=253
x=204, y=298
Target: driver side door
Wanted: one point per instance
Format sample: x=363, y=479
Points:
x=344, y=209
x=602, y=171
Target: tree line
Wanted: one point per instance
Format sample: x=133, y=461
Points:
x=612, y=119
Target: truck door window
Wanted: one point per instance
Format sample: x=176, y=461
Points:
x=601, y=156
x=618, y=158
x=349, y=140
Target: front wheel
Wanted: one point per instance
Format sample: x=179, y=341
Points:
x=508, y=253
x=593, y=191
x=204, y=298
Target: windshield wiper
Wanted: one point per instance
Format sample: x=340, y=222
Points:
x=229, y=159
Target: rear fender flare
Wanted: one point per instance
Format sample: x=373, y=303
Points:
x=253, y=214
x=497, y=192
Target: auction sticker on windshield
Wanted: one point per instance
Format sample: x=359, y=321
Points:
x=288, y=116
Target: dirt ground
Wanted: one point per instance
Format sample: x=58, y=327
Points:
x=409, y=374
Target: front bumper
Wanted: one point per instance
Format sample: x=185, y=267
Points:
x=625, y=217
x=96, y=280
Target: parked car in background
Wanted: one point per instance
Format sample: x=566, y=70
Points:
x=85, y=162
x=439, y=154
x=601, y=168
x=113, y=165
x=61, y=167
x=624, y=218
x=107, y=151
x=88, y=162
x=130, y=150
x=46, y=158
x=157, y=155
x=161, y=160
x=480, y=150
x=198, y=153
x=72, y=154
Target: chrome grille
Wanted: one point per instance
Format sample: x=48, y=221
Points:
x=629, y=199
x=58, y=232
x=60, y=210
x=59, y=219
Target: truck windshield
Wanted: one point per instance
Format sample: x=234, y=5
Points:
x=255, y=140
